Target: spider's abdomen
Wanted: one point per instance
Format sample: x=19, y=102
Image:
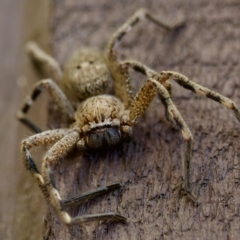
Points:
x=86, y=74
x=99, y=119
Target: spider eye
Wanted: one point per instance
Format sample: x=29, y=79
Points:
x=78, y=67
x=90, y=62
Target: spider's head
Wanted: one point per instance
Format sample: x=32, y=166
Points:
x=105, y=134
x=86, y=74
x=100, y=122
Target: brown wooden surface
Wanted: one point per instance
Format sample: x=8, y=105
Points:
x=206, y=50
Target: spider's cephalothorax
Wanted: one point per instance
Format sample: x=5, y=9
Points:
x=99, y=119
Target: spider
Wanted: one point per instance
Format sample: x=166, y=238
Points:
x=99, y=119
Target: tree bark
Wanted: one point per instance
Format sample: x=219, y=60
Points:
x=207, y=51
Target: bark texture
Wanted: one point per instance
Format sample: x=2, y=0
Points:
x=207, y=51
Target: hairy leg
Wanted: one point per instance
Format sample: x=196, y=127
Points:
x=64, y=140
x=60, y=149
x=200, y=90
x=36, y=140
x=132, y=21
x=47, y=63
x=122, y=85
x=141, y=68
x=57, y=95
x=141, y=101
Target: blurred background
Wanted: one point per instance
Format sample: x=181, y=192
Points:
x=11, y=16
x=17, y=25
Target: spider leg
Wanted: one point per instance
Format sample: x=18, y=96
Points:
x=188, y=84
x=145, y=70
x=141, y=101
x=57, y=95
x=122, y=86
x=47, y=63
x=43, y=138
x=141, y=14
x=60, y=149
x=79, y=199
x=65, y=139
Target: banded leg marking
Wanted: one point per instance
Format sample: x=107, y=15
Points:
x=40, y=139
x=122, y=84
x=132, y=21
x=200, y=90
x=57, y=95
